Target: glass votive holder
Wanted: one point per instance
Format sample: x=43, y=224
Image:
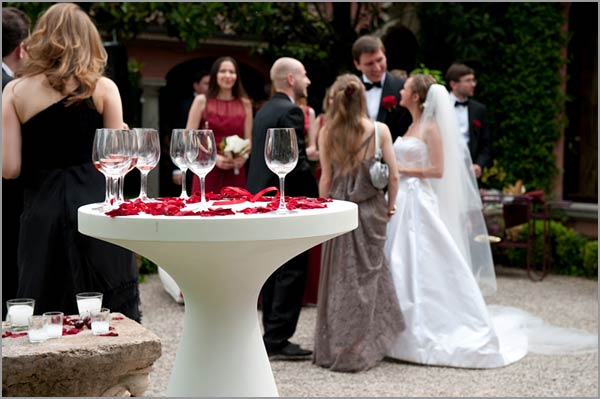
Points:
x=101, y=322
x=37, y=329
x=18, y=312
x=54, y=324
x=88, y=303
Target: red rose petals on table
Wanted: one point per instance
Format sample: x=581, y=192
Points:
x=227, y=196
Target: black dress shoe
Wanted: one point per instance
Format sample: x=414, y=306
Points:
x=290, y=352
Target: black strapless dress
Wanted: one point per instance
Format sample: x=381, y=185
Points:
x=55, y=261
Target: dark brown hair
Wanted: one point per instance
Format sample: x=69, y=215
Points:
x=366, y=44
x=213, y=86
x=457, y=71
x=15, y=29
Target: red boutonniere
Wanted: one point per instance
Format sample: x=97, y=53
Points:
x=477, y=123
x=389, y=102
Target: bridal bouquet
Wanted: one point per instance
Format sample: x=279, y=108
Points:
x=234, y=147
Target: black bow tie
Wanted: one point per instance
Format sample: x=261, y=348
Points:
x=464, y=103
x=369, y=86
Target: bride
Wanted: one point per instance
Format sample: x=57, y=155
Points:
x=439, y=253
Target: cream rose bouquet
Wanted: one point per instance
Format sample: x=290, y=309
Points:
x=235, y=147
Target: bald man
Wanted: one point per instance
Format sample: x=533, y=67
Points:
x=282, y=293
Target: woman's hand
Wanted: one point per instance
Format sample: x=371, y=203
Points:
x=238, y=162
x=224, y=162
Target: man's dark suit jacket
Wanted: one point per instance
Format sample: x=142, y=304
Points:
x=12, y=207
x=397, y=119
x=479, y=134
x=279, y=111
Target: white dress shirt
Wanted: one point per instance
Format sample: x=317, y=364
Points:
x=8, y=71
x=462, y=115
x=373, y=98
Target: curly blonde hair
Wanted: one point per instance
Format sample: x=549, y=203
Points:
x=344, y=121
x=66, y=44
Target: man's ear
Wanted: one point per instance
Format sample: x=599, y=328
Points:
x=452, y=85
x=20, y=51
x=290, y=79
x=357, y=65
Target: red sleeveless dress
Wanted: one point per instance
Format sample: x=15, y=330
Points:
x=225, y=118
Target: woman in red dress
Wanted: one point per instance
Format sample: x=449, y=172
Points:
x=226, y=109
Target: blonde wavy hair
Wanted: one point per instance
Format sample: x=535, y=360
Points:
x=344, y=121
x=65, y=44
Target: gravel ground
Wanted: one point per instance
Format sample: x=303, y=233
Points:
x=560, y=300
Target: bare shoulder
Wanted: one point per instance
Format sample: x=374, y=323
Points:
x=246, y=101
x=105, y=86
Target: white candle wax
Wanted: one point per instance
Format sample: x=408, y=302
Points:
x=19, y=315
x=53, y=330
x=100, y=327
x=37, y=335
x=87, y=306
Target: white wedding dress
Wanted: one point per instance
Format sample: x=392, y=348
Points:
x=447, y=320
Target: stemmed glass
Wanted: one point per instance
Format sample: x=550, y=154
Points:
x=132, y=142
x=148, y=155
x=281, y=156
x=201, y=154
x=111, y=155
x=177, y=152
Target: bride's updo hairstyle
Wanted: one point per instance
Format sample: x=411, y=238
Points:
x=344, y=120
x=66, y=44
x=420, y=84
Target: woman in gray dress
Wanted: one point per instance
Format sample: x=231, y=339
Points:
x=358, y=315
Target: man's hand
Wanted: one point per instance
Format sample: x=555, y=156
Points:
x=477, y=170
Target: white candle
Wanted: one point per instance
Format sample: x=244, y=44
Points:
x=88, y=306
x=37, y=335
x=53, y=330
x=19, y=315
x=100, y=327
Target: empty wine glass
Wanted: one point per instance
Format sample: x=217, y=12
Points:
x=148, y=155
x=281, y=156
x=177, y=152
x=132, y=142
x=111, y=155
x=201, y=154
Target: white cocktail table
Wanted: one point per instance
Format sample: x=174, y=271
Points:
x=220, y=263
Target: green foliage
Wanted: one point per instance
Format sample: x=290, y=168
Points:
x=515, y=49
x=571, y=253
x=437, y=75
x=590, y=258
x=148, y=267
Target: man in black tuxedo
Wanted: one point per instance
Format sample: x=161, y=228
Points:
x=15, y=29
x=471, y=115
x=282, y=292
x=369, y=58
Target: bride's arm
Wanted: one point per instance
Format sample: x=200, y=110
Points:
x=436, y=168
x=389, y=157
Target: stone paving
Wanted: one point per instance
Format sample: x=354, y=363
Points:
x=560, y=300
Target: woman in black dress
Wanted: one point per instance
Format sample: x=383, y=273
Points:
x=49, y=117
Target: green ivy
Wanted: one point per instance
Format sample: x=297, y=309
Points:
x=515, y=49
x=570, y=252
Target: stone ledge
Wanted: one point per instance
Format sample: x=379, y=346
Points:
x=81, y=364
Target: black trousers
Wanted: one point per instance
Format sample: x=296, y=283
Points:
x=281, y=301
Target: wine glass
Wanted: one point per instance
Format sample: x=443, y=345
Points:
x=148, y=155
x=132, y=142
x=177, y=152
x=281, y=156
x=111, y=155
x=201, y=154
